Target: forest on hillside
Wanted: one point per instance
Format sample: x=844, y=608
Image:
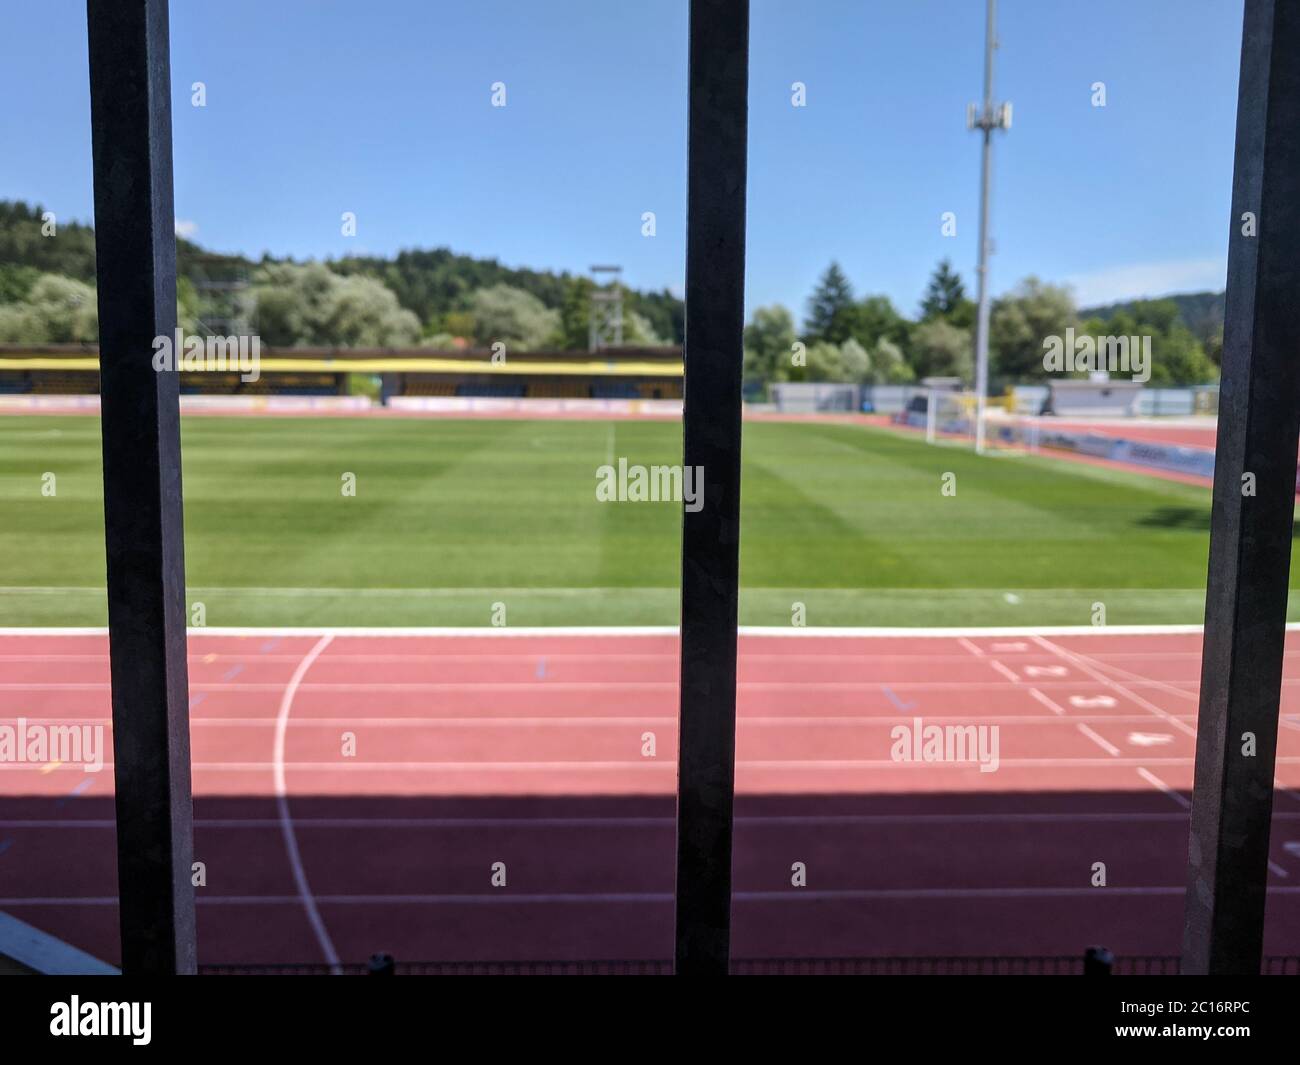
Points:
x=438, y=298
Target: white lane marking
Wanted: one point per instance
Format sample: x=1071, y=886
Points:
x=1004, y=671
x=1100, y=741
x=1090, y=702
x=1114, y=686
x=1055, y=707
x=971, y=647
x=1156, y=782
x=282, y=803
x=1137, y=678
x=1150, y=739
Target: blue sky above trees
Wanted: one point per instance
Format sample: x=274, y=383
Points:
x=383, y=109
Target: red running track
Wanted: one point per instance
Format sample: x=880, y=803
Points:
x=411, y=764
x=1177, y=435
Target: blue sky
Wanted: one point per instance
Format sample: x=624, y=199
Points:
x=316, y=107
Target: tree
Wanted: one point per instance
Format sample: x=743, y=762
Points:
x=431, y=283
x=868, y=321
x=24, y=240
x=574, y=330
x=57, y=310
x=310, y=304
x=831, y=297
x=638, y=330
x=16, y=282
x=458, y=324
x=662, y=313
x=188, y=306
x=769, y=344
x=1177, y=356
x=945, y=297
x=940, y=349
x=944, y=293
x=855, y=363
x=888, y=366
x=510, y=315
x=1022, y=321
x=360, y=312
x=823, y=363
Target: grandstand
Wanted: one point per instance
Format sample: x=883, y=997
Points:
x=625, y=373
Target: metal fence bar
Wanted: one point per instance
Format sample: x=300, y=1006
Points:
x=135, y=247
x=1254, y=501
x=715, y=289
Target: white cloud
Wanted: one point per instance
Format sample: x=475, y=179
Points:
x=185, y=228
x=1148, y=280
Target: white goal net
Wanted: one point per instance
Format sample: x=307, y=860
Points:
x=950, y=416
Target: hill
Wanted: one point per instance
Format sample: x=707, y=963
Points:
x=431, y=283
x=1201, y=312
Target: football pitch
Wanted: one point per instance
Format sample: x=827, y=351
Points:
x=471, y=522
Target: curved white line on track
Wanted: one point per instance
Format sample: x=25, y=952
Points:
x=282, y=803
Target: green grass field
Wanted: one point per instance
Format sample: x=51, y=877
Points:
x=451, y=517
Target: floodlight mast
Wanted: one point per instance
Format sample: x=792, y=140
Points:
x=986, y=120
x=606, y=310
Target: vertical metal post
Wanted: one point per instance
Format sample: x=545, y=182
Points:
x=715, y=311
x=986, y=119
x=135, y=247
x=1254, y=502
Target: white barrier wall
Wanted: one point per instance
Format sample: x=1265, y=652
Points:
x=805, y=397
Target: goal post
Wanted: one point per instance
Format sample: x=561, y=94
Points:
x=950, y=416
